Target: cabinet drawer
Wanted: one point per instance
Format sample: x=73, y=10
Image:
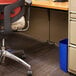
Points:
x=72, y=31
x=72, y=5
x=72, y=59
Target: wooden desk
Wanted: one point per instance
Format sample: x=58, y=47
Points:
x=51, y=4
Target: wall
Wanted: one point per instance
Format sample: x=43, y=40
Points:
x=59, y=25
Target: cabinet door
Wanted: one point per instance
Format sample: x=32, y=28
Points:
x=72, y=59
x=72, y=5
x=72, y=31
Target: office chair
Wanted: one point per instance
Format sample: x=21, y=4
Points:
x=11, y=11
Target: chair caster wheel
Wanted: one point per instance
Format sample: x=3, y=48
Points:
x=29, y=73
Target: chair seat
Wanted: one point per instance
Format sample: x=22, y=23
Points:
x=16, y=11
x=7, y=1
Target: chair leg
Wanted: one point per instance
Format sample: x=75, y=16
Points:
x=4, y=53
x=11, y=56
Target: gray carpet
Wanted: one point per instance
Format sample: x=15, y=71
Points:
x=43, y=58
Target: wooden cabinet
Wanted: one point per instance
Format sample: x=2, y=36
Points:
x=72, y=37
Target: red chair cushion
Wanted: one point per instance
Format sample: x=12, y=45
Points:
x=6, y=2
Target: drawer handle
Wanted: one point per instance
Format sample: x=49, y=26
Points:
x=72, y=45
x=73, y=12
x=73, y=19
